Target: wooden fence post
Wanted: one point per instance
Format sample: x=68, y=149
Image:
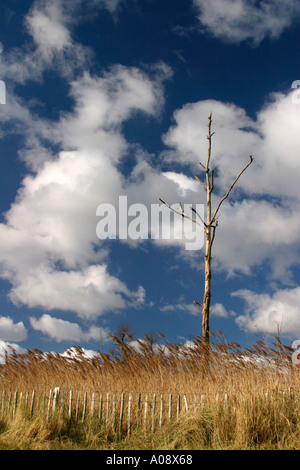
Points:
x=62, y=403
x=139, y=405
x=129, y=414
x=32, y=403
x=44, y=401
x=84, y=406
x=55, y=397
x=145, y=412
x=178, y=405
x=186, y=403
x=15, y=403
x=49, y=404
x=38, y=400
x=161, y=410
x=114, y=413
x=121, y=413
x=93, y=404
x=70, y=404
x=3, y=403
x=100, y=406
x=153, y=411
x=77, y=405
x=9, y=401
x=170, y=407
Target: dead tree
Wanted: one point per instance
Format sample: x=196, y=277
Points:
x=209, y=228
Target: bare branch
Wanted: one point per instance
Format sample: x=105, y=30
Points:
x=199, y=305
x=194, y=210
x=213, y=235
x=210, y=134
x=231, y=187
x=203, y=184
x=181, y=208
x=182, y=213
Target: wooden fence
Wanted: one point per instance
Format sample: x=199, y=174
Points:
x=120, y=411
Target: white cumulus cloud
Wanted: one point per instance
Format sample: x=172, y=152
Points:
x=239, y=20
x=62, y=330
x=268, y=313
x=10, y=331
x=49, y=249
x=50, y=25
x=47, y=28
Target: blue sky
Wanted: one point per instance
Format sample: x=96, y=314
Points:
x=111, y=97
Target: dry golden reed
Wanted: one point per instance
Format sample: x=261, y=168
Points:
x=251, y=394
x=170, y=368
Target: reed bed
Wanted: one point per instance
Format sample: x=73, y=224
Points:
x=168, y=368
x=246, y=397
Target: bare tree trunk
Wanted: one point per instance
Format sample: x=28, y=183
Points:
x=209, y=228
x=209, y=239
x=206, y=300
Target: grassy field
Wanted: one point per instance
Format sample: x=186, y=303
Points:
x=262, y=385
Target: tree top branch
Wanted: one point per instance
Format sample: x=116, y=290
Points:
x=231, y=187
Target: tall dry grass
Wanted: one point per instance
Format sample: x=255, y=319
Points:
x=225, y=368
x=261, y=384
